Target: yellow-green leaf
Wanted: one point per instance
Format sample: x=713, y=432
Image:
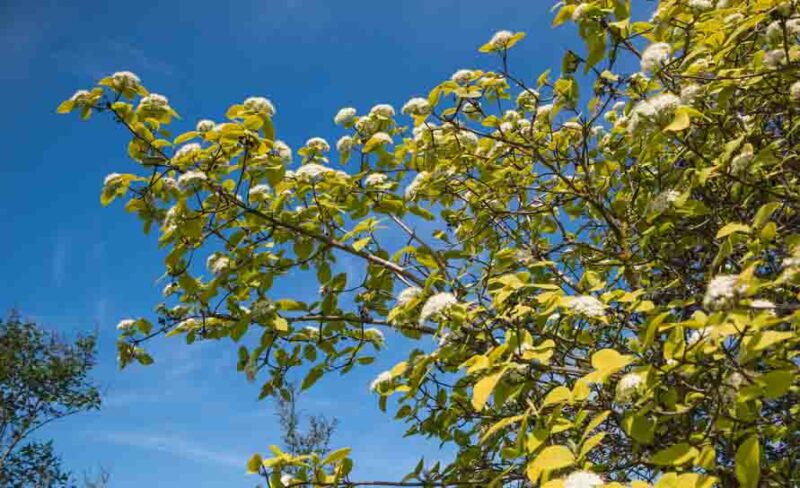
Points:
x=557, y=395
x=337, y=455
x=551, y=458
x=675, y=455
x=680, y=121
x=609, y=361
x=732, y=228
x=483, y=388
x=254, y=464
x=748, y=463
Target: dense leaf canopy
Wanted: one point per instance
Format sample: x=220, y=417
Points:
x=606, y=257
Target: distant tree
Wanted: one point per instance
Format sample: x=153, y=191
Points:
x=315, y=439
x=606, y=254
x=42, y=379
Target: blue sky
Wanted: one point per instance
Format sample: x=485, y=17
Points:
x=190, y=419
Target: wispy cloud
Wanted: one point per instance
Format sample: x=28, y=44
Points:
x=175, y=445
x=59, y=259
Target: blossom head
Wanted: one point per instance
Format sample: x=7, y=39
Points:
x=283, y=151
x=374, y=179
x=344, y=144
x=205, y=125
x=655, y=56
x=383, y=110
x=587, y=305
x=260, y=105
x=312, y=172
x=345, y=116
x=125, y=79
x=583, y=479
x=436, y=304
x=382, y=378
x=463, y=76
x=407, y=295
x=500, y=40
x=191, y=180
x=416, y=106
x=627, y=387
x=722, y=291
x=318, y=144
x=126, y=325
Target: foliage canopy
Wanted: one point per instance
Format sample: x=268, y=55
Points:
x=606, y=257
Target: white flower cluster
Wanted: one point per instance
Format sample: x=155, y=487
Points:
x=663, y=201
x=794, y=91
x=344, y=144
x=583, y=479
x=344, y=116
x=655, y=56
x=466, y=138
x=126, y=324
x=436, y=304
x=111, y=179
x=374, y=179
x=587, y=306
x=407, y=295
x=191, y=179
x=188, y=151
x=318, y=144
x=260, y=105
x=462, y=76
x=722, y=291
x=416, y=106
x=627, y=386
x=154, y=101
x=527, y=100
x=701, y=5
x=374, y=335
x=383, y=110
x=81, y=96
x=654, y=109
x=169, y=289
x=312, y=171
x=283, y=151
x=259, y=192
x=775, y=58
x=384, y=377
x=381, y=138
x=579, y=12
x=741, y=162
x=125, y=79
x=696, y=335
x=218, y=263
x=501, y=39
x=413, y=187
x=205, y=125
x=690, y=93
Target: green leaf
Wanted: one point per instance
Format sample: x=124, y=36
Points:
x=609, y=361
x=732, y=228
x=254, y=464
x=675, y=455
x=483, y=388
x=551, y=458
x=680, y=121
x=337, y=455
x=361, y=243
x=557, y=395
x=313, y=375
x=748, y=463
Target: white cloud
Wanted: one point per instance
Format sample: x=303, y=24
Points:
x=177, y=446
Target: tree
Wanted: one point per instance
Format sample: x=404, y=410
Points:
x=42, y=379
x=607, y=257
